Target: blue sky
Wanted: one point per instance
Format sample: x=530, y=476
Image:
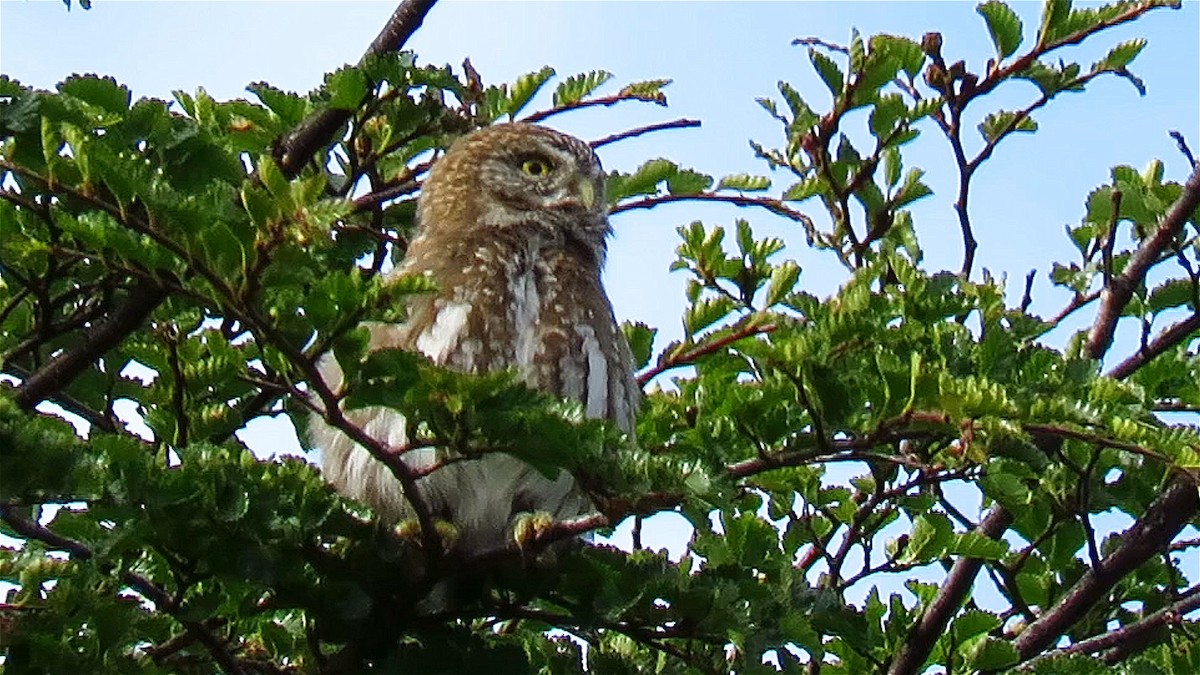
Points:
x=721, y=56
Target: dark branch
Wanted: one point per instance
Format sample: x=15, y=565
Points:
x=638, y=131
x=1170, y=337
x=33, y=530
x=688, y=357
x=773, y=205
x=1149, y=536
x=316, y=131
x=1120, y=291
x=933, y=622
x=65, y=367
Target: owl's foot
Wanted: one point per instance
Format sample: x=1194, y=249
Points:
x=410, y=530
x=528, y=527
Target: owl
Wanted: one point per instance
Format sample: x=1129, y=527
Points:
x=512, y=228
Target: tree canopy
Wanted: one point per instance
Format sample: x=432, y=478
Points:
x=913, y=433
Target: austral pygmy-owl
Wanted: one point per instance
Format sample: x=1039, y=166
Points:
x=512, y=223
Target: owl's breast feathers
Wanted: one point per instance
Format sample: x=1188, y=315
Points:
x=540, y=310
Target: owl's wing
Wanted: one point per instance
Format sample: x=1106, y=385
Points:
x=435, y=328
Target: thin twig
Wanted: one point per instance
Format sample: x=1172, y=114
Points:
x=33, y=530
x=690, y=356
x=605, y=101
x=682, y=123
x=773, y=205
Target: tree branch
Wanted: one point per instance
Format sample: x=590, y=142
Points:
x=65, y=367
x=688, y=357
x=1118, y=293
x=1150, y=535
x=933, y=622
x=1175, y=334
x=215, y=646
x=638, y=131
x=773, y=205
x=315, y=131
x=1134, y=634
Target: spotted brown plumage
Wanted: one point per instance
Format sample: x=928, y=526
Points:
x=512, y=228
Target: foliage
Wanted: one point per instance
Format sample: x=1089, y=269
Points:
x=197, y=257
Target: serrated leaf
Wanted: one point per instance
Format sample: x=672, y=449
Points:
x=643, y=181
x=347, y=88
x=1054, y=17
x=1172, y=293
x=829, y=71
x=1003, y=25
x=525, y=88
x=576, y=87
x=858, y=51
x=688, y=182
x=649, y=90
x=288, y=106
x=907, y=53
x=1120, y=56
x=912, y=190
x=744, y=182
x=804, y=189
x=705, y=313
x=892, y=166
x=102, y=92
x=641, y=341
x=990, y=654
x=1003, y=122
x=888, y=110
x=783, y=280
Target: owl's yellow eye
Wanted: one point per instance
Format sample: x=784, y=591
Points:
x=535, y=167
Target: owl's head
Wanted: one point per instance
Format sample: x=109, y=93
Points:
x=519, y=178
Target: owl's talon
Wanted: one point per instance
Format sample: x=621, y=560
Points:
x=529, y=527
x=410, y=530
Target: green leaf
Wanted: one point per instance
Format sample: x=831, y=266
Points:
x=525, y=88
x=347, y=88
x=906, y=52
x=643, y=181
x=1172, y=293
x=1120, y=56
x=641, y=341
x=829, y=71
x=804, y=189
x=744, y=182
x=892, y=166
x=931, y=535
x=888, y=110
x=1001, y=123
x=102, y=92
x=290, y=107
x=990, y=654
x=783, y=280
x=975, y=545
x=1054, y=18
x=912, y=190
x=649, y=90
x=575, y=88
x=1003, y=25
x=688, y=182
x=705, y=313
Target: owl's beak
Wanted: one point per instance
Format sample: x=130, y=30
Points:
x=586, y=190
